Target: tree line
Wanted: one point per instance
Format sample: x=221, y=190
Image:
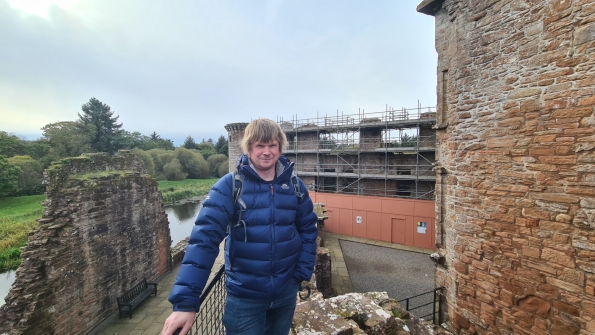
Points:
x=97, y=130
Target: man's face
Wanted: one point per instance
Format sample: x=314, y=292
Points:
x=264, y=155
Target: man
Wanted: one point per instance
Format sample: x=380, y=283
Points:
x=270, y=246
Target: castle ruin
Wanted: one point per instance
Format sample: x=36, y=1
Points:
x=103, y=230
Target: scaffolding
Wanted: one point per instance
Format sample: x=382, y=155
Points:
x=389, y=153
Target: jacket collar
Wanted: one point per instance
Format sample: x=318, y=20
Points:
x=283, y=166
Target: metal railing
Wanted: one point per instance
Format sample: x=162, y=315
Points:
x=210, y=316
x=209, y=319
x=337, y=145
x=436, y=305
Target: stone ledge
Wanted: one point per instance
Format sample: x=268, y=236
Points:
x=358, y=313
x=429, y=7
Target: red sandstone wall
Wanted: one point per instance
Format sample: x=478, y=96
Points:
x=515, y=207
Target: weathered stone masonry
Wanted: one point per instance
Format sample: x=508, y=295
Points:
x=103, y=229
x=515, y=193
x=235, y=133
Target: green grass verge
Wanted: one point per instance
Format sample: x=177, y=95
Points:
x=18, y=215
x=17, y=220
x=184, y=189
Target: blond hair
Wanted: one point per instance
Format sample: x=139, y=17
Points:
x=265, y=131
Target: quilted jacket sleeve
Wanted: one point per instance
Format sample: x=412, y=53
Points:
x=306, y=225
x=203, y=246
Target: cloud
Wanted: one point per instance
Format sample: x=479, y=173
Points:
x=190, y=67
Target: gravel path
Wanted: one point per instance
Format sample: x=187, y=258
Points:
x=402, y=274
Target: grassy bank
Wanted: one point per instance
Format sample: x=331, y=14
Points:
x=184, y=189
x=17, y=219
x=18, y=215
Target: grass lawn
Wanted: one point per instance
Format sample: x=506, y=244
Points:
x=17, y=219
x=18, y=215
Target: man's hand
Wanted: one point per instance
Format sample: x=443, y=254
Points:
x=178, y=320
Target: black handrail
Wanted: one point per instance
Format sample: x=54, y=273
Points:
x=436, y=300
x=212, y=302
x=210, y=316
x=209, y=319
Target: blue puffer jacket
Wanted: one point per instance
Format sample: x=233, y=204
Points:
x=276, y=244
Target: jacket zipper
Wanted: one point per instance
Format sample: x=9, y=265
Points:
x=273, y=237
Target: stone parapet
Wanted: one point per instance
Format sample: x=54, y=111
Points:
x=178, y=251
x=323, y=272
x=358, y=313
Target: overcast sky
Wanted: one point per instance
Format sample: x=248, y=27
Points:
x=189, y=67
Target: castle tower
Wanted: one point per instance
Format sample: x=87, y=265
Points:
x=515, y=156
x=235, y=134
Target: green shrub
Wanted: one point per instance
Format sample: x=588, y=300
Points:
x=31, y=175
x=146, y=159
x=160, y=159
x=192, y=163
x=9, y=177
x=214, y=163
x=173, y=170
x=223, y=168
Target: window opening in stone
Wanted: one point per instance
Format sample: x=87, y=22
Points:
x=444, y=98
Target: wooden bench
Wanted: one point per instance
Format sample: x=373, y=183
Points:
x=133, y=297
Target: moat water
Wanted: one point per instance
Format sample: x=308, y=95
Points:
x=181, y=219
x=6, y=280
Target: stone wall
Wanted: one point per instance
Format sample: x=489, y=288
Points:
x=305, y=141
x=371, y=313
x=235, y=133
x=427, y=137
x=335, y=163
x=305, y=163
x=370, y=138
x=515, y=190
x=103, y=229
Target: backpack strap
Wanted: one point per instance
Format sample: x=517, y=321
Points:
x=238, y=186
x=296, y=186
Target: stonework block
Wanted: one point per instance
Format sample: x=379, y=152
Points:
x=585, y=34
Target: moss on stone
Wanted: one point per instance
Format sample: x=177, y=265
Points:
x=102, y=174
x=360, y=319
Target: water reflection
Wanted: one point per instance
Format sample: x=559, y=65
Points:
x=181, y=220
x=6, y=280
